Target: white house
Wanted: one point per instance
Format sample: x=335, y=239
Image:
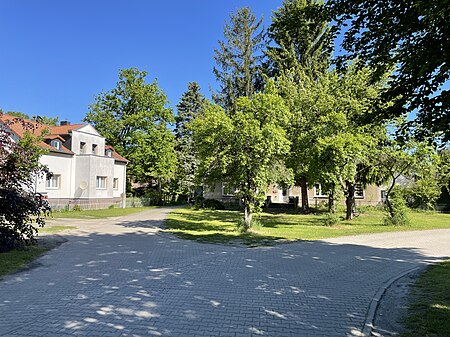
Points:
x=86, y=171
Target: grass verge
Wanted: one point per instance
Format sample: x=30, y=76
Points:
x=55, y=229
x=99, y=213
x=429, y=314
x=220, y=226
x=14, y=260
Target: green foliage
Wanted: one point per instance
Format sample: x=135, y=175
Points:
x=22, y=210
x=202, y=203
x=191, y=105
x=397, y=213
x=412, y=35
x=331, y=219
x=134, y=119
x=302, y=38
x=239, y=58
x=330, y=143
x=76, y=208
x=244, y=149
x=52, y=121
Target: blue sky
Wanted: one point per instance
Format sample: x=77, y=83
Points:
x=55, y=56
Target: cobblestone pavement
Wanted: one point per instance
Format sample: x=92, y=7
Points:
x=123, y=277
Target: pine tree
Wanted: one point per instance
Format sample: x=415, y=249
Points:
x=239, y=58
x=191, y=105
x=302, y=37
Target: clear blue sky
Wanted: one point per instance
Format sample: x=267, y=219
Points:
x=56, y=55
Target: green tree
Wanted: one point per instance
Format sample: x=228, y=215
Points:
x=302, y=37
x=244, y=149
x=22, y=210
x=239, y=58
x=302, y=48
x=52, y=121
x=330, y=144
x=134, y=119
x=16, y=114
x=411, y=35
x=190, y=106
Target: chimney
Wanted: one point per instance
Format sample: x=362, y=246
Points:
x=63, y=123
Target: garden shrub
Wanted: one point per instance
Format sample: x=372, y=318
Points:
x=331, y=219
x=397, y=216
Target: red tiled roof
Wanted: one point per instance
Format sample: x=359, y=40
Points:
x=115, y=155
x=19, y=126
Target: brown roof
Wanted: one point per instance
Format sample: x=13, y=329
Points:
x=19, y=126
x=115, y=155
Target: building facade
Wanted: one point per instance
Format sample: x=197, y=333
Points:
x=87, y=173
x=371, y=195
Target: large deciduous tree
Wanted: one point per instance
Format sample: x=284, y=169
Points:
x=22, y=210
x=244, y=149
x=134, y=119
x=330, y=143
x=191, y=105
x=302, y=48
x=412, y=35
x=239, y=58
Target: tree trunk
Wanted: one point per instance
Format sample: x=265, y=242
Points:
x=350, y=201
x=331, y=200
x=248, y=215
x=304, y=192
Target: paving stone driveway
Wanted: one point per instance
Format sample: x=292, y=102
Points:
x=125, y=278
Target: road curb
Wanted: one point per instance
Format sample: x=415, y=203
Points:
x=368, y=323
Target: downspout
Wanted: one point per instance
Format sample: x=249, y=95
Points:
x=124, y=193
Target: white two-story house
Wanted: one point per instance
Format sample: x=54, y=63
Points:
x=86, y=171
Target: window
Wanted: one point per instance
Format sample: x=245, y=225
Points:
x=383, y=195
x=53, y=183
x=284, y=191
x=56, y=144
x=108, y=153
x=116, y=183
x=101, y=183
x=359, y=191
x=82, y=147
x=318, y=190
x=94, y=148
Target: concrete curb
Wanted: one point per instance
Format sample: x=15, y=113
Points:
x=368, y=323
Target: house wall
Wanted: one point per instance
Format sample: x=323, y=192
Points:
x=120, y=173
x=58, y=164
x=372, y=195
x=89, y=136
x=88, y=168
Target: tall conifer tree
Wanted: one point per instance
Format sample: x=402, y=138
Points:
x=239, y=58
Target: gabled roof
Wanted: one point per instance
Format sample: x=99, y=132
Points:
x=115, y=155
x=20, y=126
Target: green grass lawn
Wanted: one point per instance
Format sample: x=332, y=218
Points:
x=429, y=314
x=220, y=226
x=14, y=260
x=99, y=213
x=55, y=229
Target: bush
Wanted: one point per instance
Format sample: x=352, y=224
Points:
x=399, y=209
x=202, y=203
x=331, y=219
x=76, y=208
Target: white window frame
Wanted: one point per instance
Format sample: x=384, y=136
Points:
x=116, y=184
x=94, y=148
x=359, y=186
x=56, y=144
x=53, y=183
x=319, y=195
x=101, y=182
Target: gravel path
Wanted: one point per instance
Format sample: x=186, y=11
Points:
x=124, y=277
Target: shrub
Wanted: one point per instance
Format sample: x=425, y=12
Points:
x=397, y=215
x=331, y=219
x=22, y=210
x=76, y=208
x=213, y=204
